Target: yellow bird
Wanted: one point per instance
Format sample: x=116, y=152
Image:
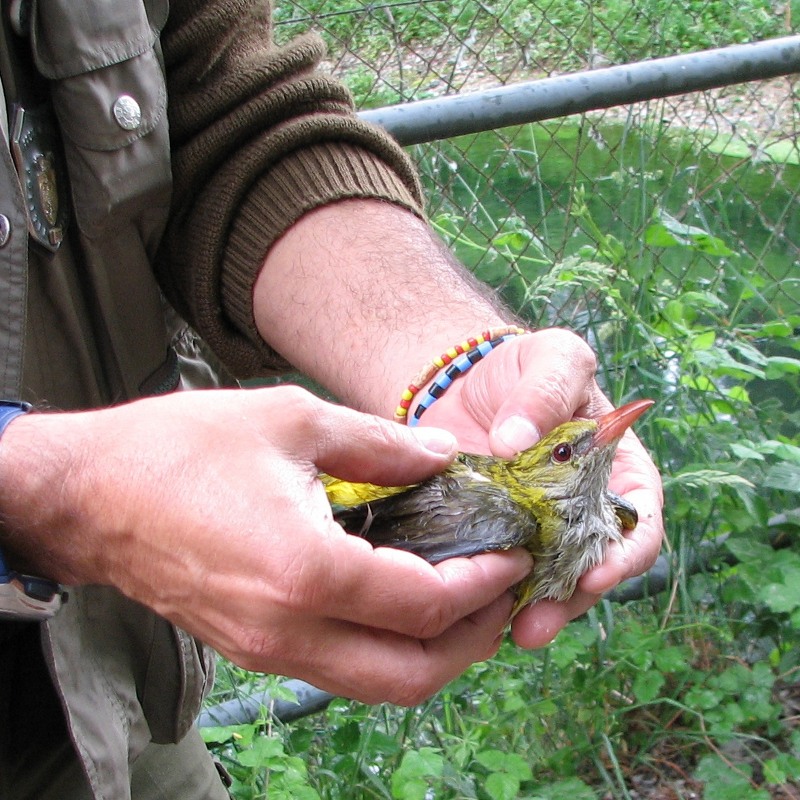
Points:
x=552, y=499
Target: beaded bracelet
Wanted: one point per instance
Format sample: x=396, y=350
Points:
x=458, y=360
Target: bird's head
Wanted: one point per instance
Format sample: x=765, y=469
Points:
x=563, y=481
x=575, y=459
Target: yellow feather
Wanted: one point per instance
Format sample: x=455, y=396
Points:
x=348, y=494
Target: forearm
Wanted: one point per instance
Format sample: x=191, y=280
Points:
x=359, y=294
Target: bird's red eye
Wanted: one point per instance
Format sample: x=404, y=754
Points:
x=562, y=453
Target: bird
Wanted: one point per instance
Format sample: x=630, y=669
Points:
x=553, y=499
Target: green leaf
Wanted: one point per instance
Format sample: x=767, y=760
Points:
x=745, y=452
x=703, y=341
x=241, y=734
x=569, y=789
x=782, y=597
x=493, y=760
x=346, y=738
x=780, y=366
x=703, y=698
x=657, y=235
x=280, y=691
x=672, y=659
x=781, y=769
x=701, y=478
x=704, y=300
x=517, y=766
x=738, y=393
x=502, y=786
x=647, y=685
x=776, y=329
x=499, y=761
x=411, y=779
x=263, y=751
x=724, y=783
x=669, y=232
x=781, y=450
x=749, y=550
x=378, y=743
x=783, y=476
x=515, y=240
x=404, y=788
x=217, y=735
x=425, y=762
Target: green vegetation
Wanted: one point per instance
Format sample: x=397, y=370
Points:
x=690, y=686
x=676, y=256
x=548, y=34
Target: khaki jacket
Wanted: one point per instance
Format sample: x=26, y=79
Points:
x=118, y=208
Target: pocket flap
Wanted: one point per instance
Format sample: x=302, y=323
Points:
x=114, y=106
x=70, y=38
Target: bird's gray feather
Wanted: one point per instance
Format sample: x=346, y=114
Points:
x=444, y=517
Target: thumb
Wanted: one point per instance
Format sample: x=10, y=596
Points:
x=557, y=371
x=362, y=447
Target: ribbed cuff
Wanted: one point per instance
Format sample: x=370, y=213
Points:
x=307, y=179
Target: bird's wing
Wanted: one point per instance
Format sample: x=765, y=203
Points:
x=444, y=517
x=625, y=511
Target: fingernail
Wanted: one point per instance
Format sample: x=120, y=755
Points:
x=525, y=560
x=518, y=433
x=437, y=440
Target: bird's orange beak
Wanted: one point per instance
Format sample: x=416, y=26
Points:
x=611, y=426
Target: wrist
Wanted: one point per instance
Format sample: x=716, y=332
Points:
x=23, y=596
x=38, y=477
x=439, y=375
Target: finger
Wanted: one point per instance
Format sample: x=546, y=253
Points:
x=398, y=591
x=633, y=556
x=556, y=379
x=538, y=624
x=361, y=447
x=387, y=667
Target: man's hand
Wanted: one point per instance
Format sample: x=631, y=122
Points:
x=206, y=507
x=396, y=299
x=504, y=404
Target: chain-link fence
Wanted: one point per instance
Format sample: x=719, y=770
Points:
x=654, y=176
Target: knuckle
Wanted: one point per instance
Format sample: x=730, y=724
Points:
x=574, y=349
x=305, y=407
x=254, y=648
x=414, y=689
x=301, y=585
x=432, y=621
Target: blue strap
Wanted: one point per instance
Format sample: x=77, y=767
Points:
x=9, y=411
x=5, y=572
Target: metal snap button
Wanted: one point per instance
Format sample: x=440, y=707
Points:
x=127, y=112
x=5, y=230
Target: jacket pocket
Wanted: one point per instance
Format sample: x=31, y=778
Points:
x=109, y=96
x=180, y=675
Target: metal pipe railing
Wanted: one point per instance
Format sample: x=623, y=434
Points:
x=562, y=95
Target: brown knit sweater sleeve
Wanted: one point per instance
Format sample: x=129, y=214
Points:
x=259, y=137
